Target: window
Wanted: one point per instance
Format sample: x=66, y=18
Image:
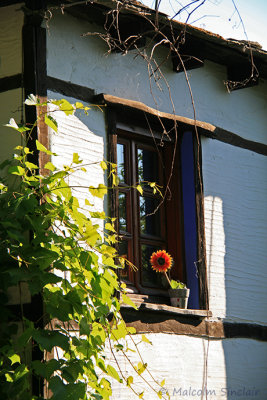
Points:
x=147, y=222
x=178, y=226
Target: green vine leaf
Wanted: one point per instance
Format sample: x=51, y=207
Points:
x=140, y=189
x=145, y=339
x=66, y=391
x=15, y=358
x=31, y=165
x=51, y=122
x=54, y=248
x=76, y=159
x=49, y=339
x=100, y=191
x=126, y=300
x=113, y=373
x=46, y=369
x=41, y=147
x=50, y=166
x=17, y=170
x=129, y=381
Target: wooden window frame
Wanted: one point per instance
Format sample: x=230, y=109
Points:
x=132, y=143
x=121, y=117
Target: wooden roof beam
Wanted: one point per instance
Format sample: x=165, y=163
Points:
x=242, y=75
x=189, y=55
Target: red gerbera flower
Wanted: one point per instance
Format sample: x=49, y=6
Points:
x=161, y=261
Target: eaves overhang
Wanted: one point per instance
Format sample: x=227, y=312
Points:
x=234, y=54
x=245, y=61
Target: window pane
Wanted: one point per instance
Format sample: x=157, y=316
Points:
x=121, y=162
x=123, y=252
x=149, y=220
x=122, y=212
x=149, y=277
x=147, y=165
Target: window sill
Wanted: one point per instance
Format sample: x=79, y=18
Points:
x=154, y=305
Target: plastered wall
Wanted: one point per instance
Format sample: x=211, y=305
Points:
x=11, y=21
x=196, y=368
x=234, y=179
x=235, y=211
x=235, y=191
x=85, y=135
x=11, y=103
x=84, y=61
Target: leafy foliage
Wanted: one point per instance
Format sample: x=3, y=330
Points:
x=52, y=245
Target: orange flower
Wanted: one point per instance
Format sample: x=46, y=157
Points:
x=161, y=261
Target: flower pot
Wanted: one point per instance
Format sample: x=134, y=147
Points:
x=179, y=297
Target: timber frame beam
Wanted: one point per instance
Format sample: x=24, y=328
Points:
x=160, y=321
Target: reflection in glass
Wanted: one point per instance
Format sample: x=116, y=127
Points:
x=120, y=162
x=147, y=165
x=149, y=220
x=122, y=212
x=123, y=252
x=150, y=278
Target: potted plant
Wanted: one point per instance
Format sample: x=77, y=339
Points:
x=161, y=261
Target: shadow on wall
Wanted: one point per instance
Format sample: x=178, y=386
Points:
x=246, y=371
x=235, y=213
x=236, y=240
x=235, y=185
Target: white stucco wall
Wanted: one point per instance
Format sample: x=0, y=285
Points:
x=233, y=178
x=11, y=104
x=11, y=21
x=196, y=368
x=235, y=185
x=235, y=200
x=85, y=135
x=83, y=60
x=235, y=211
x=235, y=190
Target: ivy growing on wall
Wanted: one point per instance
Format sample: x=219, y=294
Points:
x=52, y=245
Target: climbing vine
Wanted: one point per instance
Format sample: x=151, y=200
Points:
x=53, y=246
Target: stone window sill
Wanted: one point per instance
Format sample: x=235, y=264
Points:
x=153, y=304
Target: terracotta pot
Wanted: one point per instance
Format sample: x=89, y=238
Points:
x=179, y=297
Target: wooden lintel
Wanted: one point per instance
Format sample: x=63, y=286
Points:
x=138, y=106
x=241, y=76
x=204, y=128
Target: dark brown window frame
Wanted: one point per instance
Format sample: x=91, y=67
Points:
x=137, y=239
x=120, y=115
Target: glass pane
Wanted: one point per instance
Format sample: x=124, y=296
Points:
x=147, y=166
x=122, y=212
x=123, y=252
x=149, y=277
x=121, y=162
x=149, y=220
